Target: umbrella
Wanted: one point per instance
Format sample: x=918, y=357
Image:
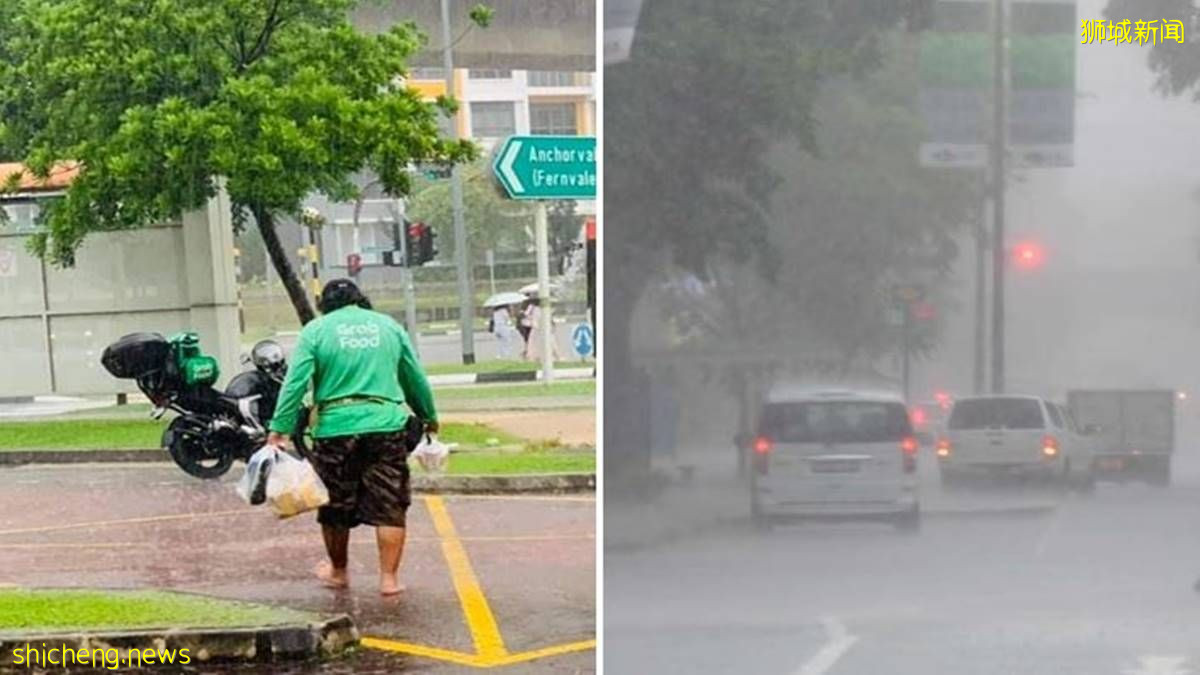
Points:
x=532, y=289
x=501, y=299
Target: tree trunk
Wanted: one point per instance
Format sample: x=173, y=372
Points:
x=283, y=265
x=626, y=393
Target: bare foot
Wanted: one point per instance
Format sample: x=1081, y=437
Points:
x=330, y=577
x=388, y=585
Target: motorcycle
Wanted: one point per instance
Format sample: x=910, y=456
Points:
x=212, y=428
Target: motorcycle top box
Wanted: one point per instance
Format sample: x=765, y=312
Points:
x=136, y=355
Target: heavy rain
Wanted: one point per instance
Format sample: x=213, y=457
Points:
x=877, y=398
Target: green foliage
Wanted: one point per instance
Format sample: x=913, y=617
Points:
x=503, y=225
x=156, y=100
x=710, y=86
x=481, y=15
x=1177, y=65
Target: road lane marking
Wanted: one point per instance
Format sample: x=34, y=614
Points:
x=362, y=542
x=475, y=660
x=490, y=648
x=124, y=521
x=840, y=641
x=490, y=651
x=1160, y=665
x=520, y=498
x=480, y=620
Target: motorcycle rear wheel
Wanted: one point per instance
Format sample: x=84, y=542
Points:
x=184, y=441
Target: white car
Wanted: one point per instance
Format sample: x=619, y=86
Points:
x=835, y=454
x=1023, y=436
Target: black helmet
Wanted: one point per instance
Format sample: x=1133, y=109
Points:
x=268, y=357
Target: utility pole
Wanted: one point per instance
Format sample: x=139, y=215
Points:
x=980, y=302
x=545, y=321
x=400, y=237
x=466, y=300
x=906, y=364
x=999, y=145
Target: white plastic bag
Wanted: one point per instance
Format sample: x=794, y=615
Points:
x=293, y=487
x=431, y=454
x=253, y=485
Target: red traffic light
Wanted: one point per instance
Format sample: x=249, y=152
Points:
x=1028, y=254
x=924, y=311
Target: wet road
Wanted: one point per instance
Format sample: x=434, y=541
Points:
x=1101, y=585
x=533, y=559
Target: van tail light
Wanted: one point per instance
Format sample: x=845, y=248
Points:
x=943, y=448
x=1049, y=447
x=762, y=447
x=908, y=452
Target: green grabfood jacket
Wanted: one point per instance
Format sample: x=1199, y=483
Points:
x=354, y=353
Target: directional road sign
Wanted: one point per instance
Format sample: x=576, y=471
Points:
x=583, y=340
x=548, y=167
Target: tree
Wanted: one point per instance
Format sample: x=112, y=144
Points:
x=162, y=103
x=1177, y=65
x=493, y=221
x=710, y=87
x=562, y=229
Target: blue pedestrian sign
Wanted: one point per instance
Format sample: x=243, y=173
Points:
x=583, y=340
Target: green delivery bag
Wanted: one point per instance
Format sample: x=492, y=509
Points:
x=195, y=368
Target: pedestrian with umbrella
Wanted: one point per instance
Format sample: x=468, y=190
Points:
x=501, y=322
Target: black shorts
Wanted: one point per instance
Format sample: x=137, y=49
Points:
x=367, y=477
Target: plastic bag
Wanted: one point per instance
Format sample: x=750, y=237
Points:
x=293, y=487
x=431, y=454
x=253, y=485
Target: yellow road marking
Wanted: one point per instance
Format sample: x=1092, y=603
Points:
x=124, y=521
x=474, y=660
x=546, y=651
x=489, y=645
x=421, y=650
x=480, y=620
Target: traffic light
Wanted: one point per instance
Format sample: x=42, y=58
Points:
x=1028, y=254
x=419, y=244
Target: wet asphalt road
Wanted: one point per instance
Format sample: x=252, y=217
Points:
x=1101, y=585
x=151, y=526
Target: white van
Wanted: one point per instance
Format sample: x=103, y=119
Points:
x=1023, y=436
x=835, y=454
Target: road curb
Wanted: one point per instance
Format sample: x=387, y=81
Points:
x=450, y=379
x=21, y=457
x=258, y=644
x=545, y=483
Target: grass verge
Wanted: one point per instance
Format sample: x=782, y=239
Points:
x=525, y=390
x=134, y=434
x=503, y=463
x=498, y=366
x=27, y=610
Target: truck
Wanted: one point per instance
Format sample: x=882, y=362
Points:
x=1132, y=432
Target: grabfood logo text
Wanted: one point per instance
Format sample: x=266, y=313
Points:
x=358, y=336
